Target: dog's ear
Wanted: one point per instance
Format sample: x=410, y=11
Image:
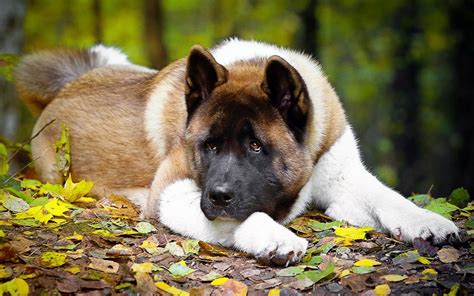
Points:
x=203, y=74
x=288, y=94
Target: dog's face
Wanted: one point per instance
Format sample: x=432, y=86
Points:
x=246, y=133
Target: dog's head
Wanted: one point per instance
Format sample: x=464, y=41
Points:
x=247, y=126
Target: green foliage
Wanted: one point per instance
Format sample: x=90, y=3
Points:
x=7, y=64
x=459, y=197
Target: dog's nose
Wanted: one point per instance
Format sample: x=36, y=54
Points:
x=221, y=196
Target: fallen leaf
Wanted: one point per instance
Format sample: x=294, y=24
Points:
x=146, y=267
x=145, y=284
x=362, y=269
x=15, y=287
x=320, y=226
x=290, y=271
x=394, y=277
x=175, y=249
x=107, y=266
x=407, y=257
x=13, y=203
x=5, y=271
x=190, y=246
x=219, y=281
x=233, y=287
x=423, y=260
x=448, y=255
x=145, y=227
x=317, y=275
x=171, y=290
x=367, y=262
x=382, y=290
x=348, y=234
x=274, y=292
x=53, y=259
x=73, y=270
x=459, y=197
x=442, y=207
x=180, y=269
x=429, y=274
x=63, y=151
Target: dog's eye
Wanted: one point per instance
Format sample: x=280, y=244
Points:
x=255, y=145
x=211, y=146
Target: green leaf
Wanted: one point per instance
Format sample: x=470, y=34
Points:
x=314, y=261
x=442, y=207
x=40, y=201
x=363, y=269
x=325, y=248
x=30, y=184
x=316, y=275
x=469, y=223
x=7, y=64
x=290, y=271
x=420, y=199
x=320, y=226
x=459, y=197
x=20, y=194
x=180, y=269
x=407, y=257
x=9, y=182
x=3, y=160
x=190, y=246
x=145, y=227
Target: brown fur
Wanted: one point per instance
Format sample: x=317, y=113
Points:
x=105, y=112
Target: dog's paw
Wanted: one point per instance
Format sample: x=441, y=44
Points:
x=423, y=224
x=270, y=242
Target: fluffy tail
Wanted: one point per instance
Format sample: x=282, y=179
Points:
x=40, y=76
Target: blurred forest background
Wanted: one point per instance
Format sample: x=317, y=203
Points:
x=403, y=68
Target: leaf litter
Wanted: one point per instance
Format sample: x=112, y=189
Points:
x=55, y=239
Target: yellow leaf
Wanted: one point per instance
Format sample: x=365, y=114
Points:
x=429, y=274
x=85, y=199
x=423, y=260
x=219, y=281
x=5, y=271
x=146, y=267
x=394, y=277
x=53, y=259
x=73, y=191
x=62, y=148
x=367, y=262
x=344, y=273
x=75, y=236
x=56, y=207
x=73, y=270
x=274, y=292
x=382, y=290
x=348, y=234
x=2, y=234
x=169, y=289
x=16, y=287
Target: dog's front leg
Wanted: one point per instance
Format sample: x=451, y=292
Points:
x=259, y=235
x=347, y=191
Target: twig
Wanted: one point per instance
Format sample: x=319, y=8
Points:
x=29, y=140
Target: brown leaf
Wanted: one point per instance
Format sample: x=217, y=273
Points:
x=7, y=253
x=104, y=265
x=145, y=284
x=116, y=205
x=231, y=287
x=207, y=250
x=448, y=255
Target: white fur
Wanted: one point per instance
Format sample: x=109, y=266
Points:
x=260, y=235
x=339, y=184
x=347, y=191
x=110, y=55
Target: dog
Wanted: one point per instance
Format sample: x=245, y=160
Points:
x=225, y=145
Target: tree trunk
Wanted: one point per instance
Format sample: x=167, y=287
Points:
x=154, y=29
x=307, y=35
x=98, y=29
x=404, y=93
x=12, y=14
x=461, y=98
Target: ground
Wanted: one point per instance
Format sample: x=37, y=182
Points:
x=53, y=241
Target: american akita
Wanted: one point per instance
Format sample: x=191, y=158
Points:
x=222, y=146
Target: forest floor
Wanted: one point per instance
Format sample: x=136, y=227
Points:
x=54, y=240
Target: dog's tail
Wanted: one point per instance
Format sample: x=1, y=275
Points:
x=40, y=76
